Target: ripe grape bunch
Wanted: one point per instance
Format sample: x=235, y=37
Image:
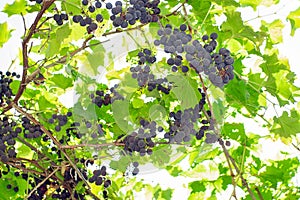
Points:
x=183, y=125
x=106, y=97
x=6, y=93
x=9, y=131
x=142, y=72
x=201, y=57
x=59, y=18
x=85, y=19
x=141, y=141
x=144, y=11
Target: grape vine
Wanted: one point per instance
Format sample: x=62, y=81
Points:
x=168, y=97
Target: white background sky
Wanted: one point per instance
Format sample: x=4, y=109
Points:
x=290, y=49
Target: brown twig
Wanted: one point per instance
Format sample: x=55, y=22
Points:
x=34, y=162
x=245, y=183
x=296, y=147
x=91, y=145
x=24, y=169
x=228, y=157
x=25, y=41
x=42, y=182
x=126, y=30
x=259, y=194
x=24, y=24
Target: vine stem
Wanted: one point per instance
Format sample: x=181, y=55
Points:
x=25, y=41
x=34, y=162
x=228, y=157
x=49, y=134
x=245, y=183
x=42, y=182
x=18, y=166
x=91, y=145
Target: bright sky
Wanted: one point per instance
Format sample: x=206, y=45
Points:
x=290, y=48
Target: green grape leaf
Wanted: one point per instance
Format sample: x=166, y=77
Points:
x=294, y=18
x=120, y=164
x=240, y=94
x=18, y=7
x=275, y=29
x=252, y=3
x=185, y=90
x=287, y=125
x=137, y=103
x=61, y=81
x=63, y=32
x=53, y=48
x=72, y=6
x=95, y=60
x=166, y=194
x=4, y=33
x=197, y=186
x=121, y=114
x=200, y=8
x=219, y=111
x=44, y=104
x=8, y=194
x=235, y=131
x=174, y=171
x=25, y=152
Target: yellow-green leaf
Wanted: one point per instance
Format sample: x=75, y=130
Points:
x=4, y=34
x=294, y=18
x=18, y=7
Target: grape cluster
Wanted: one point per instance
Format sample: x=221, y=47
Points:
x=9, y=131
x=145, y=78
x=135, y=170
x=142, y=71
x=60, y=120
x=99, y=177
x=182, y=124
x=31, y=130
x=101, y=98
x=115, y=94
x=141, y=140
x=144, y=11
x=218, y=66
x=87, y=21
x=59, y=18
x=5, y=91
x=223, y=64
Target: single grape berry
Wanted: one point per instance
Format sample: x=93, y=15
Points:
x=84, y=2
x=183, y=27
x=205, y=37
x=227, y=143
x=213, y=36
x=184, y=69
x=109, y=6
x=99, y=18
x=98, y=4
x=92, y=9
